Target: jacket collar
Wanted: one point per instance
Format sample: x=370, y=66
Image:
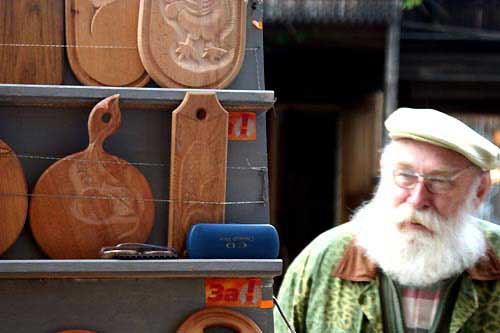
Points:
x=356, y=266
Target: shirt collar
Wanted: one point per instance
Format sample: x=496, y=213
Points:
x=356, y=266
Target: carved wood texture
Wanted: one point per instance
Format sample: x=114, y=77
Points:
x=197, y=165
x=192, y=43
x=91, y=199
x=31, y=28
x=105, y=32
x=14, y=200
x=218, y=317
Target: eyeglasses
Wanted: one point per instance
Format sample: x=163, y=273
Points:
x=407, y=179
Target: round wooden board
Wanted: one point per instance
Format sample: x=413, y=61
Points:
x=218, y=317
x=91, y=199
x=13, y=197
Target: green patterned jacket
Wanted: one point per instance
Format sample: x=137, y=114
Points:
x=331, y=287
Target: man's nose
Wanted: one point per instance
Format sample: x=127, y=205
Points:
x=419, y=196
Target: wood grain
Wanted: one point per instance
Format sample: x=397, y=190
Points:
x=76, y=331
x=13, y=197
x=197, y=165
x=91, y=199
x=198, y=44
x=361, y=141
x=218, y=317
x=31, y=28
x=105, y=32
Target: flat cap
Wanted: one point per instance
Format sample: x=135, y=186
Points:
x=440, y=129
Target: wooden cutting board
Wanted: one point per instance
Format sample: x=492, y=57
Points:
x=198, y=44
x=31, y=35
x=197, y=165
x=105, y=32
x=13, y=197
x=91, y=199
x=218, y=317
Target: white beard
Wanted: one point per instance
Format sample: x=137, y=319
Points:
x=414, y=257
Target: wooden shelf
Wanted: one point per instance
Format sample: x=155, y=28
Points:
x=164, y=98
x=107, y=268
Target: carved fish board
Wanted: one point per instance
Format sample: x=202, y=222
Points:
x=13, y=197
x=105, y=33
x=201, y=50
x=91, y=199
x=197, y=165
x=33, y=29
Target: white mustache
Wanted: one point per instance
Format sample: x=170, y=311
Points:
x=428, y=218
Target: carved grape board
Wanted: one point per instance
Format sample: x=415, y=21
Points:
x=218, y=317
x=13, y=197
x=104, y=36
x=192, y=43
x=31, y=35
x=197, y=165
x=91, y=199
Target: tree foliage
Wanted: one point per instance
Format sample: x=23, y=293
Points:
x=409, y=4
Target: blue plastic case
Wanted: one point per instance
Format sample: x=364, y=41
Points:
x=232, y=241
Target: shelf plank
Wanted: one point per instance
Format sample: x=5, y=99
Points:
x=164, y=98
x=108, y=268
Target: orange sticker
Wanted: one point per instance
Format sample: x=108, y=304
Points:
x=242, y=126
x=258, y=24
x=233, y=292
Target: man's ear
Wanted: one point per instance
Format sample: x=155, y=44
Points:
x=483, y=188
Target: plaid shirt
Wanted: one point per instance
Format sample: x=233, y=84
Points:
x=419, y=306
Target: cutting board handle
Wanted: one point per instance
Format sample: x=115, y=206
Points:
x=104, y=120
x=209, y=317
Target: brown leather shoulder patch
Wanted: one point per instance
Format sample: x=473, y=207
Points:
x=355, y=265
x=487, y=268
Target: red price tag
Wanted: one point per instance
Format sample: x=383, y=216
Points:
x=234, y=292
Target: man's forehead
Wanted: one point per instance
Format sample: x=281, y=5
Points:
x=412, y=152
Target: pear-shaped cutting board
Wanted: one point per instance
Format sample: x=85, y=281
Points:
x=91, y=199
x=197, y=165
x=13, y=197
x=102, y=35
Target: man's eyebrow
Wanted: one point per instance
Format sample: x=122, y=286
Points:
x=440, y=171
x=404, y=165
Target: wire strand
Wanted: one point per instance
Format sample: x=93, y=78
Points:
x=103, y=197
x=151, y=164
x=285, y=319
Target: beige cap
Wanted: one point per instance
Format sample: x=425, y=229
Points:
x=443, y=130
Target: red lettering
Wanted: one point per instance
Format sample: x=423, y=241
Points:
x=231, y=295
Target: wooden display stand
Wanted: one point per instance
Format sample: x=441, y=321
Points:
x=43, y=124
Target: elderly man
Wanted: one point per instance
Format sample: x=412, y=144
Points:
x=412, y=259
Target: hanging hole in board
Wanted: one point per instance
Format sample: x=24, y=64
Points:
x=218, y=329
x=106, y=117
x=201, y=114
